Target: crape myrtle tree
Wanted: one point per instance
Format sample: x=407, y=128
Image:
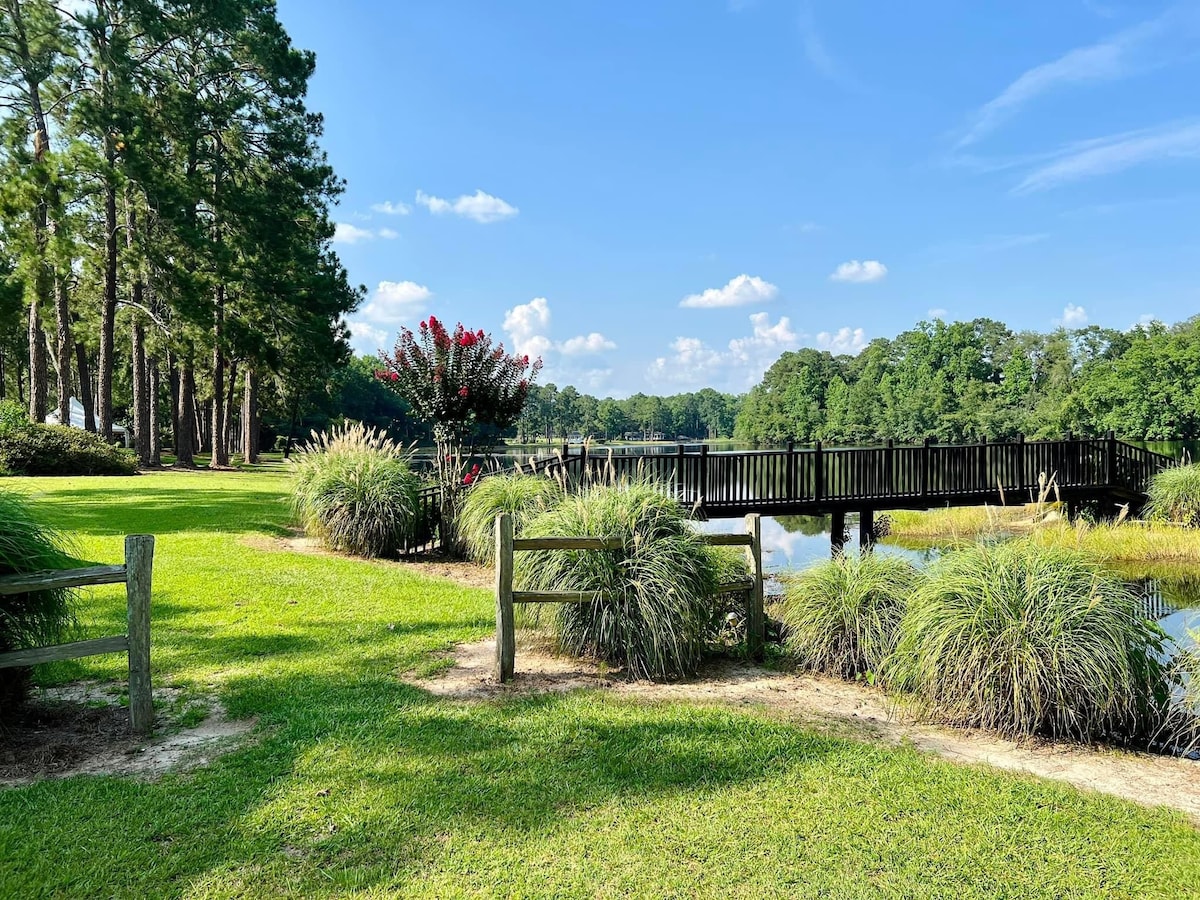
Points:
x=461, y=383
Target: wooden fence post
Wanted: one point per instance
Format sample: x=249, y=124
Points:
x=139, y=568
x=702, y=477
x=818, y=473
x=925, y=466
x=756, y=624
x=679, y=482
x=790, y=489
x=1110, y=456
x=506, y=640
x=889, y=467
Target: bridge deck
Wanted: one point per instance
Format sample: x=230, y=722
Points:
x=823, y=480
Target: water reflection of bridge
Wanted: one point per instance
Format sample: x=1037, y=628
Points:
x=837, y=481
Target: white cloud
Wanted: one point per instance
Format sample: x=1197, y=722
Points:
x=590, y=343
x=479, y=207
x=1128, y=52
x=741, y=365
x=365, y=337
x=844, y=340
x=937, y=313
x=740, y=291
x=345, y=233
x=396, y=301
x=388, y=208
x=1073, y=316
x=857, y=272
x=1103, y=156
x=388, y=234
x=526, y=325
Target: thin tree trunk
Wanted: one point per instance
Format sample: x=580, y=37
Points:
x=62, y=348
x=227, y=415
x=3, y=383
x=287, y=447
x=108, y=313
x=153, y=423
x=85, y=387
x=220, y=450
x=185, y=434
x=173, y=386
x=250, y=417
x=37, y=367
x=141, y=399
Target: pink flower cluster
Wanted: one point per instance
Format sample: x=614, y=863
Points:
x=472, y=475
x=385, y=375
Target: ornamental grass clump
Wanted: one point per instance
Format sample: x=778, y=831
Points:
x=353, y=489
x=32, y=619
x=658, y=614
x=522, y=496
x=841, y=616
x=1027, y=640
x=1174, y=496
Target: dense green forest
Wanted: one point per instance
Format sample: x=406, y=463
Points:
x=960, y=381
x=164, y=221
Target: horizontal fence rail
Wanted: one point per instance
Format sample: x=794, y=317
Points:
x=137, y=576
x=507, y=598
x=820, y=479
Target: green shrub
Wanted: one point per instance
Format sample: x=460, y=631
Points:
x=31, y=449
x=658, y=614
x=1024, y=640
x=1174, y=495
x=841, y=616
x=32, y=619
x=354, y=490
x=523, y=496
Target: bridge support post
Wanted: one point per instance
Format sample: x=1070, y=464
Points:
x=866, y=531
x=837, y=532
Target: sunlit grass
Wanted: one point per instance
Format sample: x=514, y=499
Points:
x=356, y=783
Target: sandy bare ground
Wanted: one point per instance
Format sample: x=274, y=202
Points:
x=79, y=729
x=836, y=707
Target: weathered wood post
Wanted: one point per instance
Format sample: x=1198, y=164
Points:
x=837, y=532
x=818, y=473
x=791, y=472
x=756, y=620
x=925, y=466
x=583, y=463
x=866, y=531
x=1110, y=457
x=506, y=639
x=139, y=569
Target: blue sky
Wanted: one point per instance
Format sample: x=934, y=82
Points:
x=666, y=195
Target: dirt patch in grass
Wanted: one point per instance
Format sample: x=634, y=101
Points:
x=838, y=708
x=80, y=730
x=468, y=574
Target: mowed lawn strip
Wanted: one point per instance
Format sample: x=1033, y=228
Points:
x=357, y=784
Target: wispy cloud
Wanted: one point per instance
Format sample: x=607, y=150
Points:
x=388, y=208
x=1073, y=316
x=844, y=340
x=1114, y=153
x=1151, y=44
x=345, y=233
x=479, y=207
x=818, y=55
x=740, y=291
x=855, y=272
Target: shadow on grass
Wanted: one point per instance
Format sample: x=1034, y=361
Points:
x=112, y=511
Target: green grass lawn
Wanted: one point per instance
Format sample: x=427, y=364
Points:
x=357, y=784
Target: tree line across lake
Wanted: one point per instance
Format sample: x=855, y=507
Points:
x=166, y=240
x=953, y=381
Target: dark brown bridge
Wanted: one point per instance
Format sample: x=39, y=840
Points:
x=829, y=481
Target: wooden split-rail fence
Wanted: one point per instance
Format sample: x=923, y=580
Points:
x=507, y=598
x=136, y=574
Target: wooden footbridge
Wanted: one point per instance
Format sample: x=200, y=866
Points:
x=836, y=481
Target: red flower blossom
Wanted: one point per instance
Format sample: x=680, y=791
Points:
x=462, y=392
x=468, y=478
x=395, y=376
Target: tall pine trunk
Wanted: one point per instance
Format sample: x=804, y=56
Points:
x=141, y=393
x=85, y=387
x=153, y=424
x=185, y=431
x=250, y=417
x=220, y=445
x=38, y=376
x=62, y=347
x=108, y=313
